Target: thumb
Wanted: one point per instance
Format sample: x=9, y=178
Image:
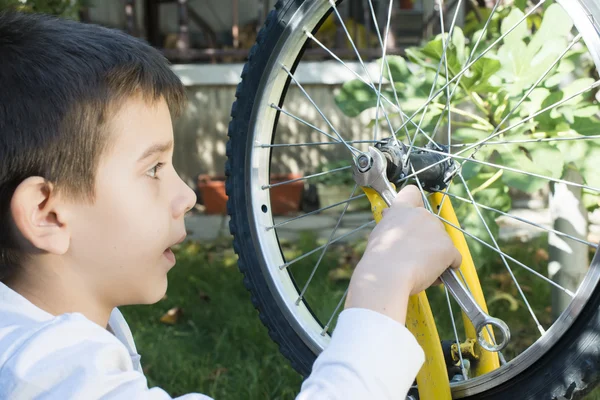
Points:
x=410, y=196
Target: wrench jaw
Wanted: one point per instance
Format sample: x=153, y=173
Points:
x=502, y=327
x=374, y=175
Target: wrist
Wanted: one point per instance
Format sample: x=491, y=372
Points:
x=385, y=296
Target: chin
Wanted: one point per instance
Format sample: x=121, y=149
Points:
x=155, y=295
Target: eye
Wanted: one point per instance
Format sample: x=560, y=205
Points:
x=152, y=172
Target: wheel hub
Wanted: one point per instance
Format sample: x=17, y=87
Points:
x=433, y=170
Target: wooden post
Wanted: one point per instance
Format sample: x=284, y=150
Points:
x=569, y=260
x=235, y=29
x=368, y=22
x=183, y=39
x=152, y=22
x=130, y=22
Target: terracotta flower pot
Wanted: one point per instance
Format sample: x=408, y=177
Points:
x=285, y=199
x=406, y=4
x=212, y=190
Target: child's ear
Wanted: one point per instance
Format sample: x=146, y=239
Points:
x=39, y=216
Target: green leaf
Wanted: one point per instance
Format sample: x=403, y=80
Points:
x=520, y=32
x=398, y=68
x=470, y=169
x=469, y=135
x=590, y=201
x=481, y=72
x=586, y=126
x=556, y=24
x=355, y=97
x=587, y=111
x=515, y=60
x=573, y=151
x=534, y=101
x=575, y=87
x=458, y=44
x=521, y=4
x=515, y=158
x=548, y=157
x=591, y=168
x=434, y=49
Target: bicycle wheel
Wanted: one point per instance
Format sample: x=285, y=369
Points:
x=297, y=307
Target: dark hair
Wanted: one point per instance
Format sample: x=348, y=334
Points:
x=60, y=80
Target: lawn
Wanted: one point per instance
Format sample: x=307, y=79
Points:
x=215, y=343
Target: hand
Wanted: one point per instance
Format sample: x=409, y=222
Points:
x=407, y=252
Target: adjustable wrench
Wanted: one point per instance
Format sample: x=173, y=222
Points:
x=370, y=171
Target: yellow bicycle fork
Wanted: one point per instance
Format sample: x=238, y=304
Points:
x=432, y=379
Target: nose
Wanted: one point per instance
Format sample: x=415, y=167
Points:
x=185, y=200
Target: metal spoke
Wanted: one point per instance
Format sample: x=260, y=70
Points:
x=487, y=228
x=312, y=274
x=326, y=327
x=469, y=65
x=552, y=139
x=265, y=187
x=475, y=161
x=425, y=201
x=287, y=221
x=567, y=291
x=462, y=363
x=447, y=74
x=363, y=226
x=593, y=245
x=314, y=143
x=317, y=108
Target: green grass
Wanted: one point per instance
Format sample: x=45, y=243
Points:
x=219, y=347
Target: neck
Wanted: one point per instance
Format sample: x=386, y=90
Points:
x=58, y=294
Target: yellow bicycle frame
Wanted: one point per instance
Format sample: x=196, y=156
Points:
x=432, y=379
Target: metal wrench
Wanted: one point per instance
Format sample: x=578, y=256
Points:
x=370, y=171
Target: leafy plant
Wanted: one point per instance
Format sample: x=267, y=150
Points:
x=492, y=97
x=342, y=177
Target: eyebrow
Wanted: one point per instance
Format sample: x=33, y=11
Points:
x=156, y=148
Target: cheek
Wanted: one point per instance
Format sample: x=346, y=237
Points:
x=124, y=224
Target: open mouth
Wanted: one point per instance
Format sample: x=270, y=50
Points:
x=168, y=254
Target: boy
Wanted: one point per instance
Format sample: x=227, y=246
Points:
x=90, y=205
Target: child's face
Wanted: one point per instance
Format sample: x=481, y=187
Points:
x=119, y=242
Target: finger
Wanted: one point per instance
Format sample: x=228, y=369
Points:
x=456, y=258
x=409, y=196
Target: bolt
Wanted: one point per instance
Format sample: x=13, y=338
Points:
x=363, y=162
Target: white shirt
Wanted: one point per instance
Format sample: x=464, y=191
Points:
x=64, y=357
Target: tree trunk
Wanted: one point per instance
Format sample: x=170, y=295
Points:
x=569, y=259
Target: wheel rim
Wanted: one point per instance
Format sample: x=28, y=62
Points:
x=263, y=125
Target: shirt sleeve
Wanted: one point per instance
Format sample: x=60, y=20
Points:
x=72, y=358
x=370, y=356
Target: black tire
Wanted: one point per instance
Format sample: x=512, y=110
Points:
x=569, y=370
